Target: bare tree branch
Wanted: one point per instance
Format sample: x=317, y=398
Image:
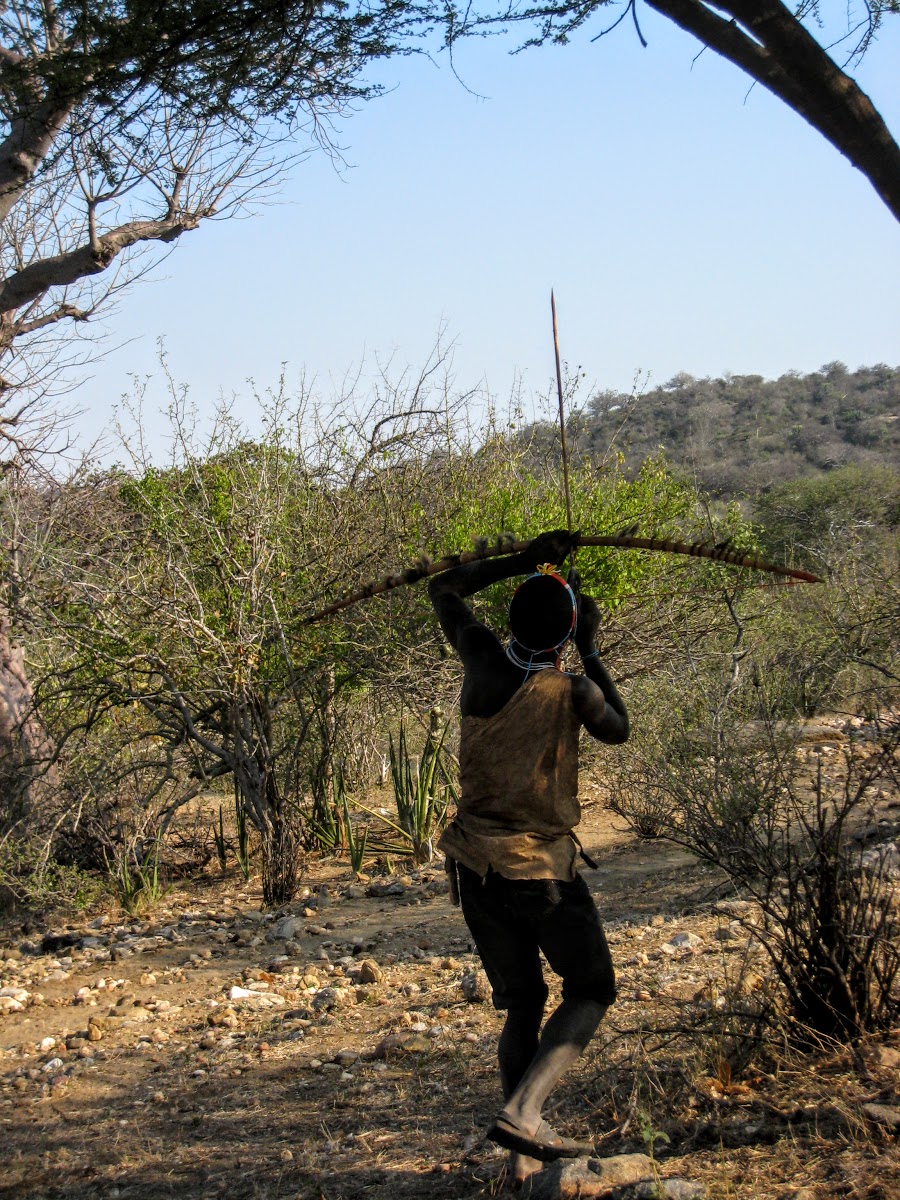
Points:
x=35, y=280
x=775, y=49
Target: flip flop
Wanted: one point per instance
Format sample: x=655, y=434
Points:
x=546, y=1144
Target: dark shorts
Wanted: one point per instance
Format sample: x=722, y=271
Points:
x=512, y=920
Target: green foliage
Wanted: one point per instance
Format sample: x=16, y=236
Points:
x=135, y=877
x=833, y=641
x=325, y=827
x=242, y=848
x=716, y=763
x=357, y=842
x=520, y=494
x=220, y=841
x=33, y=881
x=823, y=511
x=423, y=791
x=214, y=60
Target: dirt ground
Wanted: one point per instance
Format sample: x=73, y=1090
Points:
x=357, y=1057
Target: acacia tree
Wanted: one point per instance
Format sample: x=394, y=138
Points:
x=170, y=632
x=125, y=124
x=769, y=41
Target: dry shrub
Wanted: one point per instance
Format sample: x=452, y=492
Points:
x=744, y=796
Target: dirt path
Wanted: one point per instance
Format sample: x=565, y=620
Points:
x=356, y=1057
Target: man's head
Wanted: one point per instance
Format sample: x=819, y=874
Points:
x=542, y=612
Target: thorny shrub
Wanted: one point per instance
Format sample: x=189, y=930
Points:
x=712, y=768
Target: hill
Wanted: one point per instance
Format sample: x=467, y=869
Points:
x=743, y=434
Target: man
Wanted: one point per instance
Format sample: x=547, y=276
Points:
x=511, y=850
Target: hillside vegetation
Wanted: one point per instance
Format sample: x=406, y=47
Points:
x=742, y=434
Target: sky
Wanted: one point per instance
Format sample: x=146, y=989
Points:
x=685, y=221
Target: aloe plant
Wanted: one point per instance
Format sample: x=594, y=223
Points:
x=423, y=790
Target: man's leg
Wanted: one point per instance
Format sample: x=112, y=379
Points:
x=569, y=932
x=510, y=956
x=516, y=1050
x=563, y=1040
x=518, y=1045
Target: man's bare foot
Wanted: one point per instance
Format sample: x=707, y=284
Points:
x=521, y=1167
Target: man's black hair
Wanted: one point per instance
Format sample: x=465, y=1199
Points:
x=541, y=613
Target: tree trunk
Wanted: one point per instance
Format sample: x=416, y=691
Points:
x=27, y=770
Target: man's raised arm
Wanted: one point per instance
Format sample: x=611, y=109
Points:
x=448, y=589
x=595, y=696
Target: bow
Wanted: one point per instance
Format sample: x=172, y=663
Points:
x=506, y=545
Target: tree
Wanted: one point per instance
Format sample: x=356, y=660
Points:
x=768, y=41
x=167, y=604
x=127, y=123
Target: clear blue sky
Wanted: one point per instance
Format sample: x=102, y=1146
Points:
x=685, y=225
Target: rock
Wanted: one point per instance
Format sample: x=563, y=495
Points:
x=475, y=987
x=882, y=860
x=881, y=1114
x=582, y=1178
x=370, y=972
x=384, y=887
x=325, y=998
x=685, y=990
x=401, y=1043
x=887, y=1057
x=285, y=929
x=667, y=1189
x=14, y=993
x=239, y=993
x=346, y=1058
x=223, y=1016
x=685, y=940
x=52, y=943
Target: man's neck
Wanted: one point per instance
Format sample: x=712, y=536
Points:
x=543, y=661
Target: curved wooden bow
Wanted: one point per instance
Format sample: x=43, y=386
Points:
x=505, y=545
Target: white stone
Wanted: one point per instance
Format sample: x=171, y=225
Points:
x=883, y=860
x=685, y=939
